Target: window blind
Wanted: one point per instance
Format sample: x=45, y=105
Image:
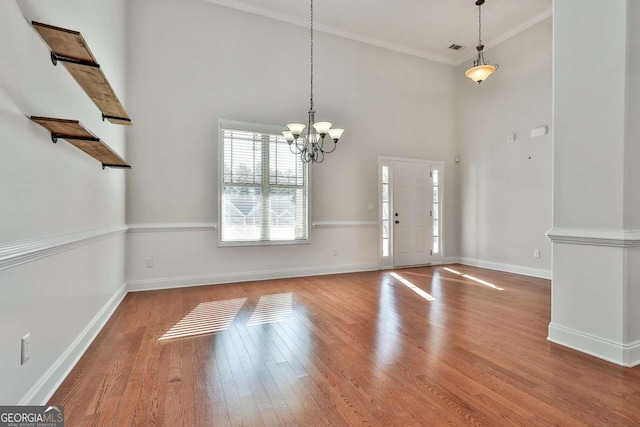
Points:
x=264, y=195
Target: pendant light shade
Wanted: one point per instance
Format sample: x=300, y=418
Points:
x=480, y=73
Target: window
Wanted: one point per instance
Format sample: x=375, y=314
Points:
x=264, y=189
x=385, y=211
x=435, y=211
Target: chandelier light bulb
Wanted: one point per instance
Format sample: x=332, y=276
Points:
x=296, y=129
x=288, y=136
x=322, y=127
x=335, y=134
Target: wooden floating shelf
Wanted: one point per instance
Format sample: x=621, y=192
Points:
x=70, y=48
x=75, y=134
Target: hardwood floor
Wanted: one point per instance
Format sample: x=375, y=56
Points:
x=350, y=349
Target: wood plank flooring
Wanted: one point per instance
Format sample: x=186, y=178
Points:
x=362, y=349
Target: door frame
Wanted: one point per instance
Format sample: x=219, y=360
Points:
x=388, y=261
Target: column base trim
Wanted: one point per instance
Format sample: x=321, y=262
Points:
x=627, y=355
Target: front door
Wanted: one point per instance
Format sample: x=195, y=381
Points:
x=411, y=216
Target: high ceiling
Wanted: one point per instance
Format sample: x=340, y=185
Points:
x=424, y=28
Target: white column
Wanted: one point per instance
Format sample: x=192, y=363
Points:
x=596, y=182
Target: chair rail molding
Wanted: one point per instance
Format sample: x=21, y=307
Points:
x=19, y=252
x=344, y=224
x=612, y=238
x=178, y=226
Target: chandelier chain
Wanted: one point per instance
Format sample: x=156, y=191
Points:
x=311, y=26
x=480, y=24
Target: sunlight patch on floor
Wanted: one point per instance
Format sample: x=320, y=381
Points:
x=271, y=309
x=475, y=279
x=207, y=318
x=413, y=287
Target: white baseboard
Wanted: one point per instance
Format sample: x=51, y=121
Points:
x=509, y=268
x=627, y=355
x=42, y=391
x=214, y=279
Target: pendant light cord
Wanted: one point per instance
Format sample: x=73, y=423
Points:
x=311, y=26
x=480, y=24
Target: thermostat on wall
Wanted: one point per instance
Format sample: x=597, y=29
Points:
x=541, y=131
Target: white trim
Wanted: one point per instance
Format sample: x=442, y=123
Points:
x=509, y=268
x=627, y=355
x=160, y=228
x=42, y=390
x=249, y=127
x=214, y=279
x=16, y=253
x=344, y=224
x=295, y=20
x=302, y=22
x=615, y=238
x=407, y=159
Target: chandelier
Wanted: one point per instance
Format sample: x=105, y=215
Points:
x=481, y=69
x=310, y=144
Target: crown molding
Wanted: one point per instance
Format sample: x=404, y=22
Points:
x=295, y=20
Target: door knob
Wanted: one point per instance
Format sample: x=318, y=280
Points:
x=397, y=222
x=396, y=213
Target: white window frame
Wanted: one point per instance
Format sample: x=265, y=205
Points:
x=266, y=129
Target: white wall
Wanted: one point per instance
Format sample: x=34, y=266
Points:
x=632, y=172
x=49, y=192
x=193, y=62
x=505, y=188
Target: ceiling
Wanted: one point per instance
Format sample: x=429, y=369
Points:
x=424, y=28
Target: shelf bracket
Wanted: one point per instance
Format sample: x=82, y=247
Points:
x=55, y=58
x=104, y=165
x=124, y=119
x=56, y=136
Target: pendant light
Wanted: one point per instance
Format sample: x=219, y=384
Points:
x=310, y=144
x=481, y=69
